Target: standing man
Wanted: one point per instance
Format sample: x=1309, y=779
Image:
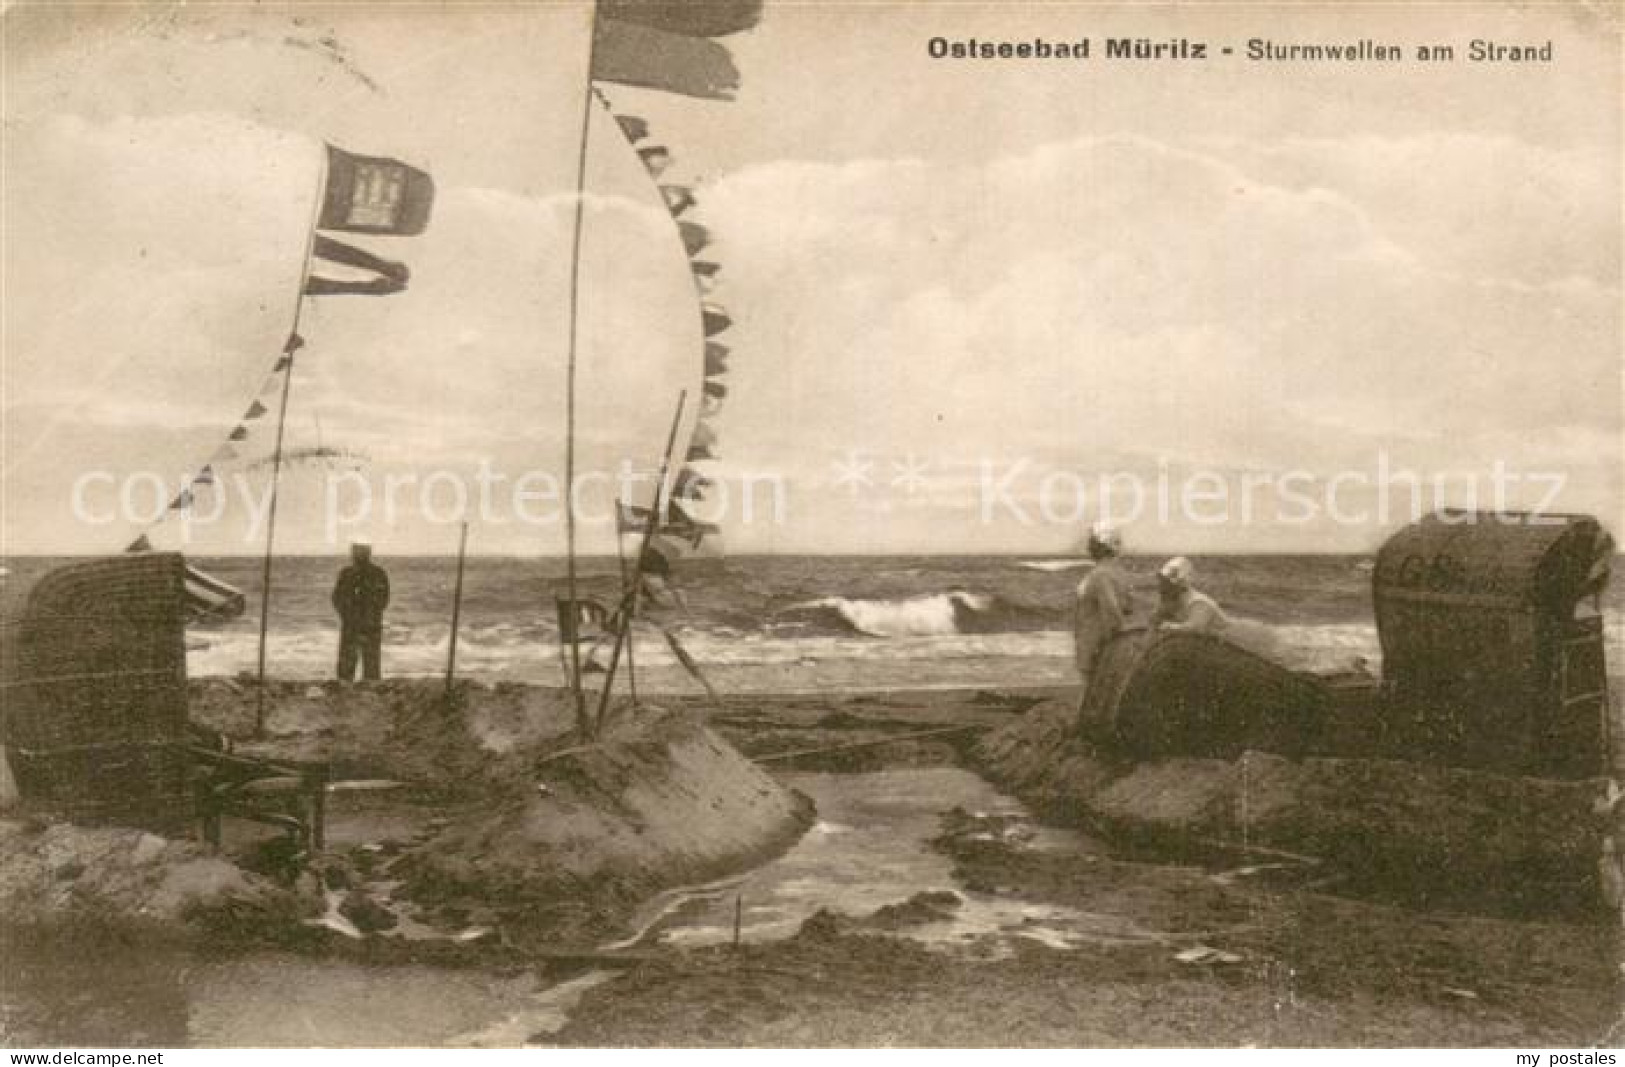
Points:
x=360, y=597
x=1104, y=603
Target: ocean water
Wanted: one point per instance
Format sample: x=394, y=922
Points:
x=972, y=619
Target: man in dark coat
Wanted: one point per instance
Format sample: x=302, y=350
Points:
x=360, y=597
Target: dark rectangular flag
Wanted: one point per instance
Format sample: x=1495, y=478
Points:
x=374, y=194
x=658, y=44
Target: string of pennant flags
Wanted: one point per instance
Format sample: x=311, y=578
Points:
x=228, y=450
x=673, y=48
x=688, y=485
x=642, y=43
x=360, y=194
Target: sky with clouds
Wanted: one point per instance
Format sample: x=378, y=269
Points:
x=953, y=283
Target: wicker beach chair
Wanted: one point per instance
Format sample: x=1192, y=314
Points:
x=95, y=712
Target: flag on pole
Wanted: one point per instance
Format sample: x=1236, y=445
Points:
x=668, y=46
x=368, y=275
x=367, y=195
x=694, y=18
x=374, y=194
x=636, y=55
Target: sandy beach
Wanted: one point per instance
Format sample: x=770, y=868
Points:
x=915, y=904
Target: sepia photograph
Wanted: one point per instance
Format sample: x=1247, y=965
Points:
x=872, y=524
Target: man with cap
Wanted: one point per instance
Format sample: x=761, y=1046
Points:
x=1182, y=607
x=360, y=597
x=1104, y=603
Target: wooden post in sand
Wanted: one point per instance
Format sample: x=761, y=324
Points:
x=456, y=610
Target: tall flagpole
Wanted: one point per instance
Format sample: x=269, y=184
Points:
x=626, y=593
x=289, y=348
x=583, y=725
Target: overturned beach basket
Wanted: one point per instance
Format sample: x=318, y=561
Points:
x=95, y=693
x=1491, y=642
x=1166, y=693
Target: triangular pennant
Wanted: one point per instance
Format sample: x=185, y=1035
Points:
x=695, y=236
x=255, y=410
x=140, y=544
x=282, y=364
x=238, y=434
x=705, y=275
x=678, y=198
x=636, y=129
x=704, y=435
x=715, y=318
x=716, y=358
x=698, y=452
x=183, y=499
x=204, y=477
x=681, y=524
x=656, y=157
x=294, y=344
x=715, y=389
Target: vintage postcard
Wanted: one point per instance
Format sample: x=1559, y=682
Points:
x=778, y=523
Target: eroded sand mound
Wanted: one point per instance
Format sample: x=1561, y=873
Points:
x=660, y=802
x=406, y=729
x=555, y=841
x=1396, y=819
x=65, y=874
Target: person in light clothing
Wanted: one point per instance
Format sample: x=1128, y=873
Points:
x=1104, y=603
x=1181, y=606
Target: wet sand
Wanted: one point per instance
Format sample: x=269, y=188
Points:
x=1283, y=954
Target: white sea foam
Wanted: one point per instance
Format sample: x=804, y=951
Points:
x=519, y=653
x=1052, y=566
x=934, y=614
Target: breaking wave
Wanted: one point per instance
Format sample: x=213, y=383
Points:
x=927, y=615
x=1055, y=566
